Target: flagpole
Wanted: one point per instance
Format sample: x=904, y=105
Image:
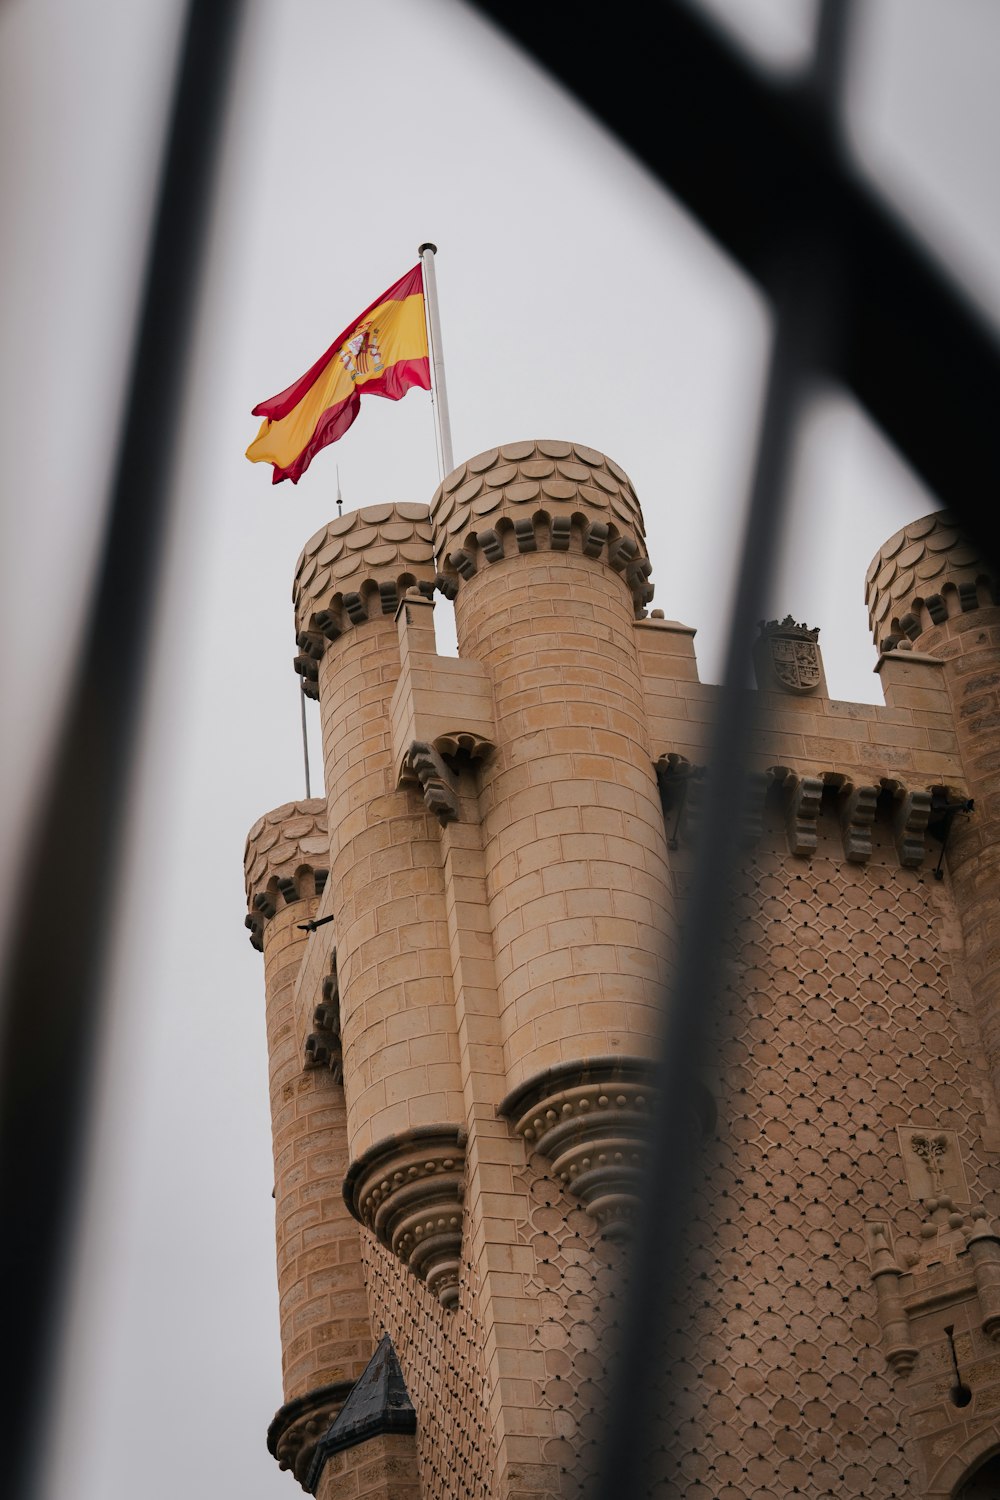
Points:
x=305, y=737
x=439, y=391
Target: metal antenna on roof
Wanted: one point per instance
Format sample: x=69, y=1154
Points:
x=340, y=503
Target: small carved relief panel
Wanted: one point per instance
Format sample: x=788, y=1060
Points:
x=932, y=1162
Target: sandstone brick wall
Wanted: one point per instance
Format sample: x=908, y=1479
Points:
x=380, y=1469
x=397, y=1010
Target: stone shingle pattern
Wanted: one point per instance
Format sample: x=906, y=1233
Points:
x=378, y=541
x=283, y=840
x=915, y=565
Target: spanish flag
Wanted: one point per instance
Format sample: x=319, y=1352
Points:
x=382, y=353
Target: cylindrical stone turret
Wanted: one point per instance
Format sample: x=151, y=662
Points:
x=930, y=590
x=322, y=1302
x=545, y=541
x=405, y=1109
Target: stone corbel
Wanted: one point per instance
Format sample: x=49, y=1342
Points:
x=857, y=808
x=805, y=800
x=909, y=826
x=424, y=765
x=323, y=1044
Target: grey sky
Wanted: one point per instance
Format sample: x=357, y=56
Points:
x=577, y=301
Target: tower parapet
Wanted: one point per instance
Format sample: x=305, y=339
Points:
x=537, y=495
x=356, y=567
x=927, y=573
x=933, y=595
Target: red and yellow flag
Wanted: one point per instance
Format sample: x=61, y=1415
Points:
x=382, y=353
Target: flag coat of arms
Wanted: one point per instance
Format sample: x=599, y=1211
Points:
x=382, y=353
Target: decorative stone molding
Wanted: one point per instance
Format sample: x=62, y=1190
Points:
x=591, y=1121
x=537, y=496
x=424, y=766
x=786, y=657
x=684, y=787
x=408, y=1191
x=323, y=1047
x=912, y=810
x=299, y=1425
x=930, y=570
x=286, y=859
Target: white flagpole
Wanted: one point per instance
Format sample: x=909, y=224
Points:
x=305, y=737
x=439, y=391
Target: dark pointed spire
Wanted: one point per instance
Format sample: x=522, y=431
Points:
x=379, y=1402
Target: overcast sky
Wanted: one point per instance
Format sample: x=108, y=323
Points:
x=577, y=300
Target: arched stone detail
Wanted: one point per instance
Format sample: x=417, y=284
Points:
x=960, y=1467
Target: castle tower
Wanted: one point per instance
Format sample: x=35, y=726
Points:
x=325, y=1337
x=545, y=543
x=932, y=594
x=462, y=1016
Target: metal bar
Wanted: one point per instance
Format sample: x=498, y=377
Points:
x=799, y=261
x=427, y=253
x=305, y=736
x=750, y=157
x=52, y=997
x=648, y=1348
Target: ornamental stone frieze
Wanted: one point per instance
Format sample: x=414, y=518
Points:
x=909, y=813
x=409, y=1192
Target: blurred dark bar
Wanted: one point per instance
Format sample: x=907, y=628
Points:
x=752, y=157
x=52, y=1000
